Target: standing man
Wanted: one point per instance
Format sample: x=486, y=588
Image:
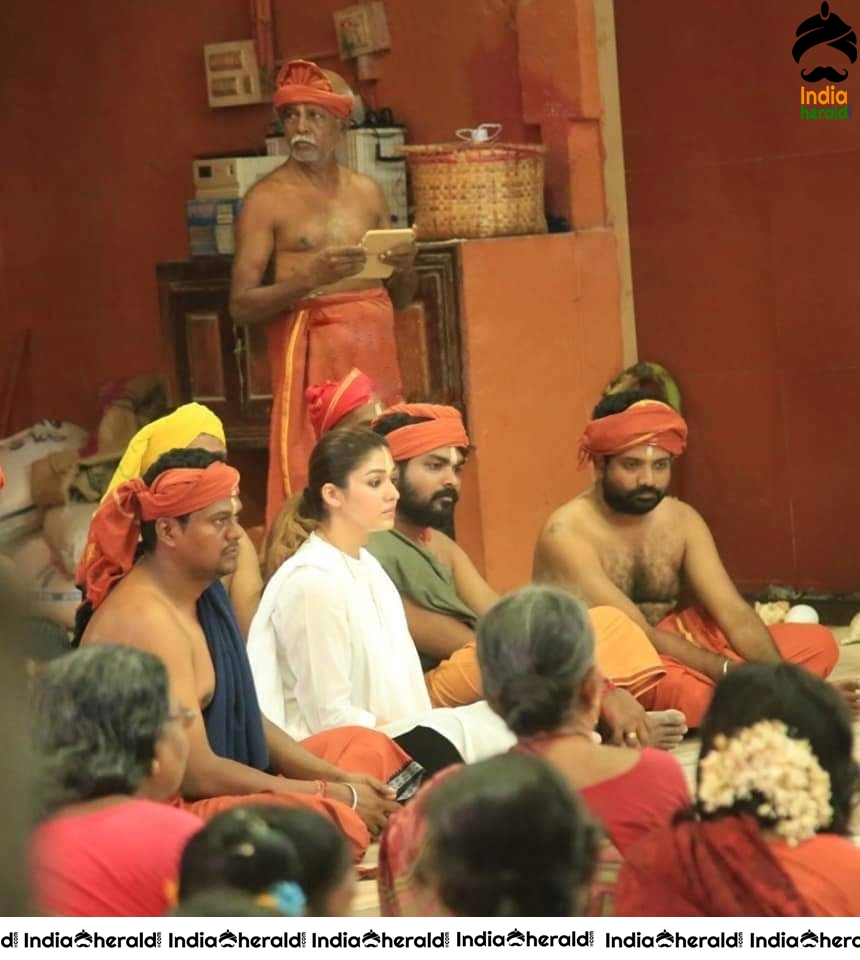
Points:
x=309, y=217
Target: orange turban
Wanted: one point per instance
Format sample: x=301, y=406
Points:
x=646, y=421
x=115, y=527
x=329, y=402
x=300, y=81
x=443, y=427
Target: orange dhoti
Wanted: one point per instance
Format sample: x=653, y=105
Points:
x=806, y=645
x=621, y=647
x=354, y=749
x=322, y=339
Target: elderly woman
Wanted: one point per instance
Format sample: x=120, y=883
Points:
x=769, y=836
x=110, y=748
x=536, y=653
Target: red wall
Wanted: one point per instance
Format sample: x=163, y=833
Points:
x=453, y=63
x=743, y=226
x=103, y=106
x=106, y=105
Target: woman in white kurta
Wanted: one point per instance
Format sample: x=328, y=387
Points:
x=329, y=645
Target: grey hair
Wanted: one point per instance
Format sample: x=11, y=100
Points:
x=15, y=757
x=97, y=716
x=535, y=647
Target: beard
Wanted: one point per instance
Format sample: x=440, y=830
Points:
x=636, y=502
x=435, y=512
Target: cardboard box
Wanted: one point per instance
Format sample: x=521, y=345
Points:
x=211, y=226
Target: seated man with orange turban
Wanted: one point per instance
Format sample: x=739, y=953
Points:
x=309, y=216
x=444, y=594
x=171, y=602
x=195, y=425
x=625, y=543
x=349, y=402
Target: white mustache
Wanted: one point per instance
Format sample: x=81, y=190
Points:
x=303, y=140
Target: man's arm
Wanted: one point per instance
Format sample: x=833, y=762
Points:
x=472, y=588
x=714, y=590
x=250, y=301
x=155, y=630
x=568, y=559
x=435, y=635
x=375, y=799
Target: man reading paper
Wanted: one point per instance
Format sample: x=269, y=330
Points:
x=310, y=216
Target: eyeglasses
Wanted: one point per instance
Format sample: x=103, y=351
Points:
x=182, y=715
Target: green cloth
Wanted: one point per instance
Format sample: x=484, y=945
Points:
x=418, y=575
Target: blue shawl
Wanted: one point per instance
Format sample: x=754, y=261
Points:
x=234, y=723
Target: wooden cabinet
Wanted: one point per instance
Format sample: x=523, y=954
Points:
x=429, y=344
x=225, y=366
x=212, y=360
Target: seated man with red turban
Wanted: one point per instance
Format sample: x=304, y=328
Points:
x=625, y=543
x=170, y=602
x=444, y=594
x=349, y=402
x=309, y=217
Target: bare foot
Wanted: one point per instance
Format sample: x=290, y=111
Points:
x=850, y=692
x=667, y=728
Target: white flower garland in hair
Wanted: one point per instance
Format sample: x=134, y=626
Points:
x=763, y=759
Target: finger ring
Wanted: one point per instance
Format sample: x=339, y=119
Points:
x=631, y=735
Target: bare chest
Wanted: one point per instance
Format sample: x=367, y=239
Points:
x=112, y=621
x=646, y=569
x=201, y=660
x=308, y=222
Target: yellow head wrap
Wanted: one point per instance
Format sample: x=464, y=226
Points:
x=175, y=430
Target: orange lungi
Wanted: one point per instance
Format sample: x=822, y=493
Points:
x=621, y=647
x=806, y=645
x=354, y=749
x=322, y=339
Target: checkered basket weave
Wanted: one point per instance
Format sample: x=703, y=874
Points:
x=486, y=190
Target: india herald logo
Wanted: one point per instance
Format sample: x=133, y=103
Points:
x=825, y=28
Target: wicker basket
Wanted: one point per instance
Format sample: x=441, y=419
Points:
x=488, y=190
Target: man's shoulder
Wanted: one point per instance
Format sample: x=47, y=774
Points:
x=445, y=550
x=679, y=514
x=571, y=519
x=130, y=609
x=356, y=180
x=270, y=189
x=382, y=541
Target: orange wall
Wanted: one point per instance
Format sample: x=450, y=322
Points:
x=743, y=225
x=541, y=339
x=103, y=106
